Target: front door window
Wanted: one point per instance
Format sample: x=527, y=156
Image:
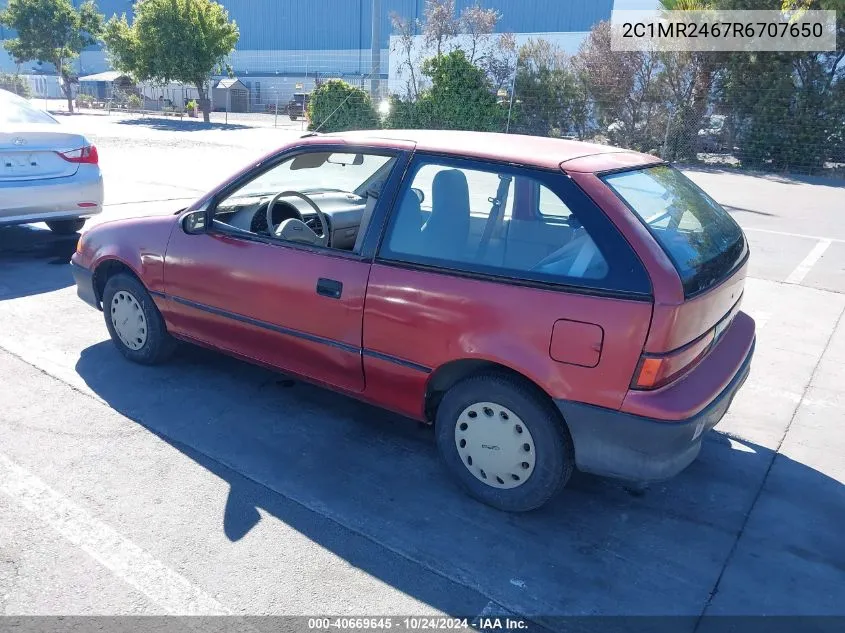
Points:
x=317, y=198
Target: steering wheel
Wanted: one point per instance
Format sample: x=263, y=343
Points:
x=316, y=239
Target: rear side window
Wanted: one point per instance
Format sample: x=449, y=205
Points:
x=699, y=236
x=510, y=223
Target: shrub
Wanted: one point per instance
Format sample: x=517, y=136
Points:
x=84, y=100
x=16, y=84
x=460, y=98
x=135, y=102
x=404, y=115
x=337, y=106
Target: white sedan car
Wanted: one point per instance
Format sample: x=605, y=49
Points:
x=47, y=173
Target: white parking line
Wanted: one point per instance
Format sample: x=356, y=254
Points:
x=788, y=234
x=169, y=590
x=797, y=275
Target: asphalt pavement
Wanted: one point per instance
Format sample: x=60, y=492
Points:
x=208, y=486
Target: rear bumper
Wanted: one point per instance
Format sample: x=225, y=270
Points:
x=636, y=448
x=84, y=279
x=52, y=199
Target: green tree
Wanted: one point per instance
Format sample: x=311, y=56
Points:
x=624, y=89
x=550, y=97
x=461, y=96
x=689, y=76
x=173, y=40
x=52, y=31
x=14, y=83
x=785, y=109
x=337, y=106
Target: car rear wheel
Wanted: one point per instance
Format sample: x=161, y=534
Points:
x=66, y=227
x=134, y=323
x=504, y=442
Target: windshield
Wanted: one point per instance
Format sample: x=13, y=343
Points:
x=700, y=237
x=327, y=172
x=14, y=109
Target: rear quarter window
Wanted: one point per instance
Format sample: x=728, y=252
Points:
x=700, y=237
x=16, y=110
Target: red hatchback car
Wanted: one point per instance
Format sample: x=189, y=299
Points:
x=546, y=304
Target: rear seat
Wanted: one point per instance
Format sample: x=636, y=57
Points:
x=528, y=241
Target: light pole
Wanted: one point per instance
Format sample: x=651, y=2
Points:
x=375, y=50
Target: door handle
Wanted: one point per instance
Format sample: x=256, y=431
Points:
x=329, y=288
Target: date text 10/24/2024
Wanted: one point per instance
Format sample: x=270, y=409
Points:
x=364, y=624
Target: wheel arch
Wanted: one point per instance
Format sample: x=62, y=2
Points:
x=109, y=267
x=449, y=374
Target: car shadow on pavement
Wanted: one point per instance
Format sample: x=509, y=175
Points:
x=180, y=125
x=34, y=261
x=369, y=486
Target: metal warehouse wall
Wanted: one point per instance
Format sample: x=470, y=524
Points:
x=345, y=24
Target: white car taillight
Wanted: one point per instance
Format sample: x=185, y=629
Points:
x=87, y=154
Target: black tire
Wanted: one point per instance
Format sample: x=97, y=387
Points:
x=159, y=345
x=66, y=227
x=293, y=117
x=555, y=455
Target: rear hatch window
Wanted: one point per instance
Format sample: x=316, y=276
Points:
x=14, y=110
x=703, y=241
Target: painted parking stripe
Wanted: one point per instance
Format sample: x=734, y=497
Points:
x=169, y=590
x=800, y=272
x=788, y=234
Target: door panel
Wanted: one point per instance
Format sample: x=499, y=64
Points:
x=430, y=319
x=261, y=300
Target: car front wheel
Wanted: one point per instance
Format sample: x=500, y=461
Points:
x=134, y=323
x=66, y=227
x=504, y=442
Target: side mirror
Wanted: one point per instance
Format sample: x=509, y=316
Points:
x=194, y=222
x=419, y=194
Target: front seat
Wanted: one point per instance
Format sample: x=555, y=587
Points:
x=446, y=232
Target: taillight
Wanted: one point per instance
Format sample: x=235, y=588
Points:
x=655, y=371
x=87, y=154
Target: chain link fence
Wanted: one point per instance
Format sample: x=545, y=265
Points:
x=780, y=112
x=777, y=112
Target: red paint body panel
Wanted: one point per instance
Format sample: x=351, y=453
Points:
x=138, y=243
x=432, y=319
x=275, y=285
x=608, y=160
x=576, y=343
x=395, y=387
x=546, y=153
x=674, y=326
x=690, y=394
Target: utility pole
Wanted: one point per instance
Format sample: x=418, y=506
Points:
x=375, y=48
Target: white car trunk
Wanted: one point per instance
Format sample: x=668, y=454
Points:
x=30, y=152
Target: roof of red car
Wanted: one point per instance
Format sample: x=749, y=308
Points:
x=549, y=153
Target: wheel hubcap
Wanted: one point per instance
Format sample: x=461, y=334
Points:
x=495, y=445
x=128, y=320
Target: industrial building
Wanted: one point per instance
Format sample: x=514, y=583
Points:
x=286, y=44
